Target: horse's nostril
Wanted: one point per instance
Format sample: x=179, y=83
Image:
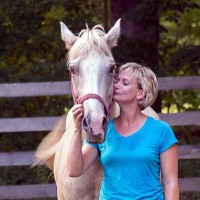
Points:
x=85, y=124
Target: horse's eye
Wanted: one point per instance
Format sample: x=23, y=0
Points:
x=71, y=70
x=112, y=69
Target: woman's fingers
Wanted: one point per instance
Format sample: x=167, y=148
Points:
x=79, y=117
x=76, y=106
x=77, y=111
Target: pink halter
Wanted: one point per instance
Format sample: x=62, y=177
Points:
x=80, y=100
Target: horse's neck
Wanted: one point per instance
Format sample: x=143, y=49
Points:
x=115, y=110
x=148, y=111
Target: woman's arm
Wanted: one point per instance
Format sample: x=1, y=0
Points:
x=169, y=173
x=79, y=158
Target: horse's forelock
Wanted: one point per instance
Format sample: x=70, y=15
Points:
x=89, y=40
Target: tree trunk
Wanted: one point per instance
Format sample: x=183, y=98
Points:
x=140, y=34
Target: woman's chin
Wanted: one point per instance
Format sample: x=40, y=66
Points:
x=115, y=98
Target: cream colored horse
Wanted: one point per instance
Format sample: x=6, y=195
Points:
x=92, y=68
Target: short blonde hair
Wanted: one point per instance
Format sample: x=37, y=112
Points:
x=146, y=80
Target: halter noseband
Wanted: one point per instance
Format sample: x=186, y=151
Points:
x=80, y=100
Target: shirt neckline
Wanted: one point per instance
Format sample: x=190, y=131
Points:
x=132, y=134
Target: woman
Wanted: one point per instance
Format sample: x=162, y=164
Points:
x=137, y=148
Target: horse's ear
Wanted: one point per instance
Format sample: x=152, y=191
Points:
x=113, y=34
x=67, y=36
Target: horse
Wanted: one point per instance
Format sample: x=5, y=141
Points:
x=92, y=69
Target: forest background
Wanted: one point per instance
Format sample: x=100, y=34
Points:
x=163, y=35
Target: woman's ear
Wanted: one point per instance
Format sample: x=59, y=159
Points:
x=141, y=95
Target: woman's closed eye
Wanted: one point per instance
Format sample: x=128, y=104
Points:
x=115, y=79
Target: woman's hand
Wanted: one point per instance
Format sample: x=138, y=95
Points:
x=77, y=111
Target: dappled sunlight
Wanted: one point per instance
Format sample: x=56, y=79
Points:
x=172, y=109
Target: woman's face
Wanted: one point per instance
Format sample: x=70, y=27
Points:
x=125, y=87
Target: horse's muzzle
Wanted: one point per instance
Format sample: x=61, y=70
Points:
x=95, y=129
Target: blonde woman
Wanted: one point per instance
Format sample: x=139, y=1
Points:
x=137, y=148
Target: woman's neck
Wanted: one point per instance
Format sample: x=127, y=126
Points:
x=130, y=114
x=130, y=120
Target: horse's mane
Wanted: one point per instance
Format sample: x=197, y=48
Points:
x=89, y=40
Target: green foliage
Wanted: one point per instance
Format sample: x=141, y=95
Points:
x=179, y=41
x=37, y=106
x=31, y=48
x=173, y=10
x=190, y=195
x=185, y=171
x=25, y=175
x=186, y=61
x=180, y=101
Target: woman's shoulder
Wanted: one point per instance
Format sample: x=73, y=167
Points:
x=161, y=129
x=158, y=123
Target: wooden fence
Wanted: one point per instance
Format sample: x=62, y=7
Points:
x=46, y=123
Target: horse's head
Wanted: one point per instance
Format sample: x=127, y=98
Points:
x=92, y=68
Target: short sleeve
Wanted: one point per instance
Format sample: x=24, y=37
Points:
x=96, y=146
x=168, y=138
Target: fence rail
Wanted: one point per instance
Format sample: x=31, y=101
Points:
x=46, y=123
x=63, y=87
x=26, y=124
x=26, y=158
x=49, y=190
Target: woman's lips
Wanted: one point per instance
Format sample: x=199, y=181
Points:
x=115, y=93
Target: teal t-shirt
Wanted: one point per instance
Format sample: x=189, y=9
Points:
x=131, y=164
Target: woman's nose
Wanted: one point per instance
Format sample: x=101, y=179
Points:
x=115, y=85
